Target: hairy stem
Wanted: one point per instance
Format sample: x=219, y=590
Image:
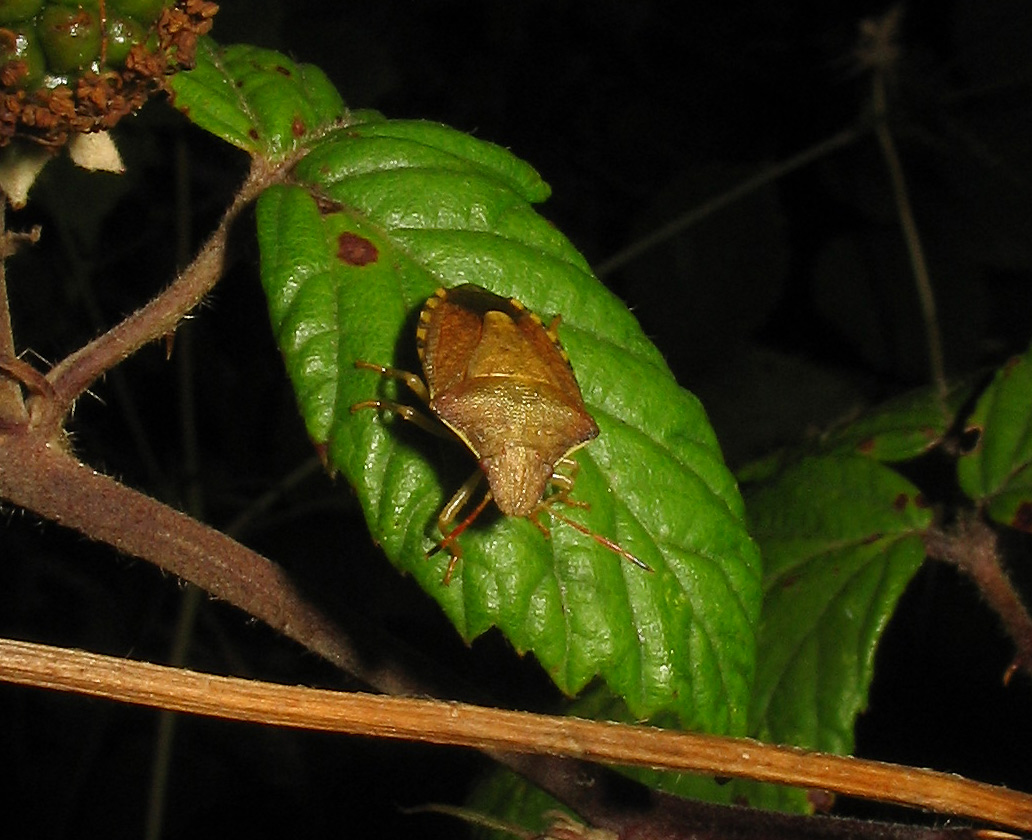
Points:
x=12, y=406
x=972, y=548
x=44, y=478
x=158, y=318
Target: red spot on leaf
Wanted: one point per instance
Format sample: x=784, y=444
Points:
x=865, y=447
x=323, y=451
x=356, y=250
x=899, y=504
x=1023, y=517
x=297, y=127
x=253, y=133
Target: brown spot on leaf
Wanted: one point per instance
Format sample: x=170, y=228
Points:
x=297, y=127
x=865, y=447
x=322, y=450
x=327, y=205
x=356, y=250
x=1023, y=517
x=921, y=501
x=283, y=71
x=899, y=504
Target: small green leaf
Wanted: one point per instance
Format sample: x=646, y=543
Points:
x=511, y=799
x=901, y=428
x=256, y=99
x=998, y=471
x=383, y=213
x=897, y=430
x=841, y=538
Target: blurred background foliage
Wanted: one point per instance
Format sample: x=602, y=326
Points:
x=786, y=312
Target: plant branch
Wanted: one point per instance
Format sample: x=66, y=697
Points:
x=158, y=318
x=972, y=547
x=12, y=406
x=719, y=202
x=881, y=53
x=44, y=478
x=458, y=724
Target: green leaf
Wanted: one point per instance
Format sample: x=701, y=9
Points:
x=841, y=538
x=998, y=471
x=382, y=214
x=900, y=429
x=597, y=703
x=511, y=799
x=257, y=99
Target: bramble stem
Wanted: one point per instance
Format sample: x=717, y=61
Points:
x=972, y=547
x=158, y=318
x=12, y=406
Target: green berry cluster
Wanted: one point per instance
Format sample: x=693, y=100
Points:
x=70, y=66
x=54, y=41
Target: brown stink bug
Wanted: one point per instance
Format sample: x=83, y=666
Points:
x=500, y=381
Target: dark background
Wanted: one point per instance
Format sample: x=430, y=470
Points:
x=785, y=312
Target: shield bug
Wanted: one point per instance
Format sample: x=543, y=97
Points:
x=499, y=380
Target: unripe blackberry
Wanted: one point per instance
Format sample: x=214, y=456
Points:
x=13, y=11
x=70, y=36
x=72, y=66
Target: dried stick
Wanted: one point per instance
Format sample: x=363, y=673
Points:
x=459, y=724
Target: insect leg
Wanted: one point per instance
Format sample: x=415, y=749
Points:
x=457, y=503
x=563, y=484
x=552, y=330
x=405, y=412
x=414, y=383
x=447, y=516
